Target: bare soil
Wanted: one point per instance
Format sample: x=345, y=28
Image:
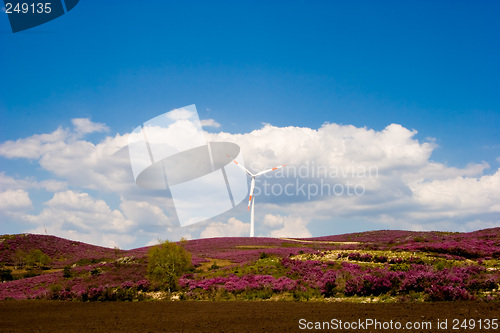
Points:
x=191, y=316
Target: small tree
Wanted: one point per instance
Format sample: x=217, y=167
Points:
x=37, y=258
x=19, y=259
x=166, y=263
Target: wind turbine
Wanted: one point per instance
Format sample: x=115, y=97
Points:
x=251, y=199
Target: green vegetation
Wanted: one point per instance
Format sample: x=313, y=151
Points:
x=166, y=263
x=5, y=275
x=67, y=272
x=36, y=258
x=419, y=267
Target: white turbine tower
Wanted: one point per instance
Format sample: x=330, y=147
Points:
x=251, y=199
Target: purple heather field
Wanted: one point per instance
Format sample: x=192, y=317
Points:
x=387, y=265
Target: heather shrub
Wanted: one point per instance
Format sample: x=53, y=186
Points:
x=328, y=283
x=354, y=256
x=142, y=285
x=366, y=257
x=380, y=259
x=373, y=282
x=395, y=261
x=416, y=260
x=448, y=293
x=127, y=285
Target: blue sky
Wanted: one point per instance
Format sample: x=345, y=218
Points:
x=429, y=66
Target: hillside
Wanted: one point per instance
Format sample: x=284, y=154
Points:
x=62, y=251
x=389, y=263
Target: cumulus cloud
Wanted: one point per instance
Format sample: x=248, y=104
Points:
x=50, y=185
x=14, y=200
x=85, y=126
x=334, y=173
x=145, y=214
x=385, y=177
x=232, y=228
x=79, y=216
x=35, y=146
x=287, y=226
x=103, y=166
x=459, y=196
x=209, y=123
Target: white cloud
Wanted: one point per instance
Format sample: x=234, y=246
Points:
x=209, y=123
x=404, y=188
x=145, y=213
x=15, y=200
x=50, y=185
x=79, y=216
x=35, y=146
x=102, y=166
x=233, y=228
x=85, y=126
x=289, y=226
x=460, y=195
x=273, y=221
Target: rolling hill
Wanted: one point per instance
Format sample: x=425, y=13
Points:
x=390, y=263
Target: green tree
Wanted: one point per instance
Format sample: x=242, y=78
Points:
x=37, y=258
x=166, y=263
x=19, y=259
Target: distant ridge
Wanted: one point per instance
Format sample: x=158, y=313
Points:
x=70, y=251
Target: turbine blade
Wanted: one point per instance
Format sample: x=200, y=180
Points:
x=268, y=170
x=252, y=186
x=242, y=167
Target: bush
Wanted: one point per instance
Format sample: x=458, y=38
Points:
x=142, y=285
x=264, y=255
x=30, y=272
x=380, y=259
x=67, y=272
x=5, y=275
x=166, y=263
x=37, y=258
x=214, y=266
x=448, y=293
x=400, y=267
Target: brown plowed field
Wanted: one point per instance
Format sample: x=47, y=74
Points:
x=52, y=316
